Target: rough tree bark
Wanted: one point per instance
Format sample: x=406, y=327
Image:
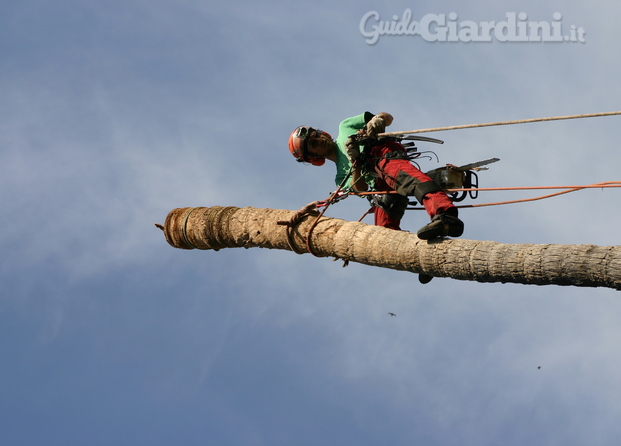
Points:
x=483, y=261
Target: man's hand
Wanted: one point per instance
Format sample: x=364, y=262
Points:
x=376, y=125
x=353, y=149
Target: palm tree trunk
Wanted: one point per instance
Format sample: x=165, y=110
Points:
x=482, y=261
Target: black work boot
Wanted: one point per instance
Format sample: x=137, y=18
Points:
x=441, y=225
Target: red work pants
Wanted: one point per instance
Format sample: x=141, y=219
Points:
x=388, y=169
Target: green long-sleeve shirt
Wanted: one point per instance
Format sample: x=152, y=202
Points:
x=347, y=128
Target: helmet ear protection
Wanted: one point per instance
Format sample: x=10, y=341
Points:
x=298, y=145
x=317, y=161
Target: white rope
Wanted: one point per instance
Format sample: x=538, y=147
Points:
x=489, y=124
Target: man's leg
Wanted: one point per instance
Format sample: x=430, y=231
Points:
x=383, y=219
x=389, y=208
x=407, y=180
x=400, y=175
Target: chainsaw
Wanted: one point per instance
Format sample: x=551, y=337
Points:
x=450, y=176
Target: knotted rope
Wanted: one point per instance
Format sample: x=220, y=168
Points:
x=295, y=219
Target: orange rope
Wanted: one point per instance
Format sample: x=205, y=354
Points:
x=569, y=189
x=524, y=200
x=590, y=186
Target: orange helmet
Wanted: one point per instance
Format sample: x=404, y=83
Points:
x=298, y=145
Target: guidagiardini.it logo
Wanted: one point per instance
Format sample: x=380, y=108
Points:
x=447, y=28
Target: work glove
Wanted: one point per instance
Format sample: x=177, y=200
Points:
x=375, y=125
x=353, y=149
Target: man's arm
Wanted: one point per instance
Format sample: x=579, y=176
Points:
x=352, y=149
x=358, y=182
x=377, y=124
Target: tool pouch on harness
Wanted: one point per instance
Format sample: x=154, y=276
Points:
x=393, y=204
x=369, y=143
x=396, y=155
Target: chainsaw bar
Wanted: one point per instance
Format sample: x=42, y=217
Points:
x=475, y=166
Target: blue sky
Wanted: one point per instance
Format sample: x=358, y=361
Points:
x=114, y=113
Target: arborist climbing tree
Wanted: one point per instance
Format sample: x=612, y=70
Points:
x=382, y=165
